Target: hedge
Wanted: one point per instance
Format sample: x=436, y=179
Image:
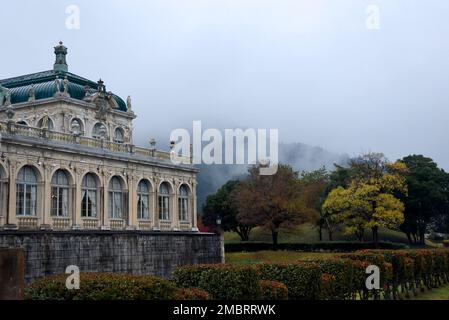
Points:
x=339, y=246
x=273, y=290
x=102, y=286
x=223, y=282
x=302, y=279
x=402, y=273
x=191, y=294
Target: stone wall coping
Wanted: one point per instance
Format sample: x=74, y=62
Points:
x=102, y=233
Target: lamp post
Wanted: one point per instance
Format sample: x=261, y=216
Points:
x=221, y=237
x=218, y=223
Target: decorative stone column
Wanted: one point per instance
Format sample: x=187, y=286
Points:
x=76, y=201
x=175, y=210
x=195, y=209
x=11, y=219
x=45, y=189
x=132, y=198
x=104, y=210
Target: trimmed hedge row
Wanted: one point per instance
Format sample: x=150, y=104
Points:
x=111, y=286
x=402, y=272
x=339, y=246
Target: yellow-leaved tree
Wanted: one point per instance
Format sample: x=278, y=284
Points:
x=368, y=201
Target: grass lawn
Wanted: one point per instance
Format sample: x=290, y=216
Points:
x=307, y=233
x=275, y=256
x=434, y=294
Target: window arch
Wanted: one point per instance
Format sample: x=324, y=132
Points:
x=143, y=200
x=164, y=201
x=183, y=203
x=116, y=198
x=100, y=131
x=60, y=194
x=50, y=125
x=22, y=123
x=89, y=195
x=26, y=194
x=119, y=135
x=76, y=126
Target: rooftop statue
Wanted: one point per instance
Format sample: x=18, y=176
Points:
x=32, y=94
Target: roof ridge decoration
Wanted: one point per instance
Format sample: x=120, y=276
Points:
x=61, y=62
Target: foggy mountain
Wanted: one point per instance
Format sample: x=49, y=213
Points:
x=300, y=156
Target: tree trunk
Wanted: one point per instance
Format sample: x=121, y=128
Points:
x=320, y=233
x=274, y=235
x=409, y=237
x=375, y=231
x=331, y=235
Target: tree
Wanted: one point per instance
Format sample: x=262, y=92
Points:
x=273, y=202
x=369, y=201
x=427, y=201
x=314, y=190
x=221, y=205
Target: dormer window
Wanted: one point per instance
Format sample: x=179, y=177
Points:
x=119, y=135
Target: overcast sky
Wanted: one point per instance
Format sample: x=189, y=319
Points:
x=310, y=68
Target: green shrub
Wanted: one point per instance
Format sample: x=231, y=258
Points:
x=223, y=282
x=190, y=276
x=273, y=290
x=328, y=286
x=302, y=279
x=339, y=286
x=102, y=286
x=191, y=294
x=338, y=246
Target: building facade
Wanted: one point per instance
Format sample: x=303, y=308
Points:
x=68, y=162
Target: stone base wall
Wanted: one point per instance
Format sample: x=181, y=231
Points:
x=144, y=253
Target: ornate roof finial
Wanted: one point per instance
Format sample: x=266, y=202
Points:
x=101, y=86
x=61, y=63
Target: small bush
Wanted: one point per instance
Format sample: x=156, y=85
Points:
x=191, y=294
x=273, y=290
x=102, y=286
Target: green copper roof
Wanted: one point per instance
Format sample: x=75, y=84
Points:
x=44, y=83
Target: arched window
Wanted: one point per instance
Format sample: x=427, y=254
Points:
x=76, y=126
x=22, y=123
x=116, y=198
x=143, y=201
x=48, y=124
x=164, y=201
x=60, y=194
x=89, y=196
x=99, y=131
x=119, y=135
x=183, y=203
x=26, y=197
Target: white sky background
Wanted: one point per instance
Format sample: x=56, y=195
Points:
x=308, y=67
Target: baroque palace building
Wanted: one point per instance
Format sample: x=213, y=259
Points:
x=68, y=162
